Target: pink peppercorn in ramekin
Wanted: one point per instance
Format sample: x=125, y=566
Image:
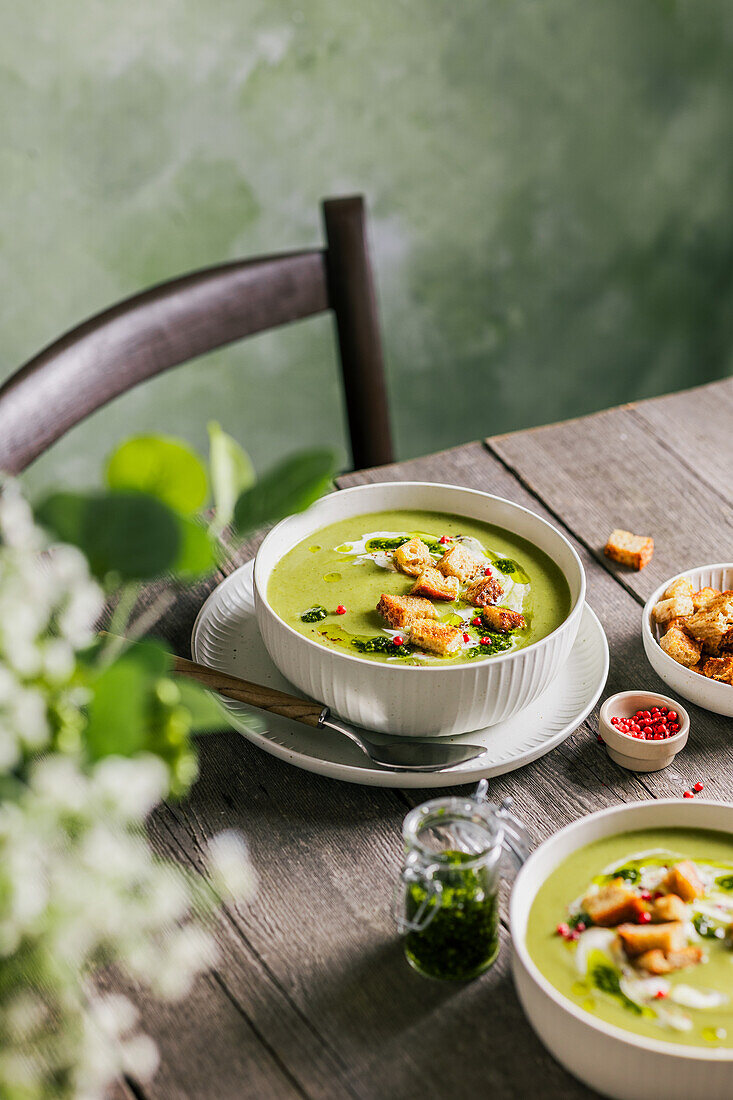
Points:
x=640, y=754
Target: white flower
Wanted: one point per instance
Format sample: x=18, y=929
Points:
x=230, y=869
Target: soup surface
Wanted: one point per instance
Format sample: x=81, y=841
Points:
x=328, y=587
x=636, y=929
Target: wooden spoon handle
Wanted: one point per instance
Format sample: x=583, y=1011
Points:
x=264, y=698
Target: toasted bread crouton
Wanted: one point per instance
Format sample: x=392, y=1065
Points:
x=638, y=938
x=675, y=608
x=703, y=597
x=680, y=647
x=654, y=962
x=681, y=587
x=719, y=668
x=708, y=627
x=502, y=620
x=632, y=550
x=435, y=586
x=400, y=611
x=686, y=956
x=412, y=557
x=683, y=880
x=461, y=563
x=484, y=591
x=612, y=904
x=668, y=907
x=435, y=637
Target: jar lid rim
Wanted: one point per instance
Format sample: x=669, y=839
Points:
x=467, y=809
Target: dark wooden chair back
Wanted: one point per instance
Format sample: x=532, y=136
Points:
x=179, y=320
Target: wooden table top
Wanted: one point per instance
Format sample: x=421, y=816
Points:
x=311, y=996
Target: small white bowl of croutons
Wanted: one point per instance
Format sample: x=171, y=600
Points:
x=687, y=631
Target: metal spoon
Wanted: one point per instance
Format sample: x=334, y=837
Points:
x=406, y=754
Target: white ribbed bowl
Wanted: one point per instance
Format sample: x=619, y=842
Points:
x=616, y=1062
x=709, y=694
x=407, y=699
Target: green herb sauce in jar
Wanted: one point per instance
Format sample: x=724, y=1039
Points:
x=461, y=938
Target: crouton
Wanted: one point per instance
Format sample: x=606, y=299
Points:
x=727, y=641
x=461, y=563
x=675, y=608
x=681, y=587
x=484, y=591
x=686, y=956
x=435, y=586
x=632, y=550
x=654, y=962
x=681, y=648
x=400, y=611
x=683, y=880
x=636, y=939
x=708, y=627
x=719, y=668
x=412, y=557
x=703, y=597
x=435, y=637
x=667, y=908
x=503, y=620
x=612, y=904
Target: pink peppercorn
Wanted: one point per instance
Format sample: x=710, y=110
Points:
x=398, y=639
x=688, y=794
x=340, y=610
x=697, y=787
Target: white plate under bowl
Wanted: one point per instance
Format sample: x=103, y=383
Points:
x=709, y=694
x=226, y=637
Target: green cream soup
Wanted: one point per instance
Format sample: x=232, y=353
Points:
x=692, y=1005
x=328, y=586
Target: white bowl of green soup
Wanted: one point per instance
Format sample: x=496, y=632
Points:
x=418, y=609
x=623, y=948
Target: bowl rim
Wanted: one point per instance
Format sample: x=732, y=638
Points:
x=499, y=658
x=655, y=1046
x=688, y=677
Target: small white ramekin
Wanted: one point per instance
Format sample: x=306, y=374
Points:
x=631, y=752
x=615, y=1062
x=707, y=693
x=410, y=700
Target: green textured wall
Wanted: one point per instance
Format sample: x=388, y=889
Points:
x=550, y=184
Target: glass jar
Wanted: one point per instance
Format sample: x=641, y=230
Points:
x=447, y=905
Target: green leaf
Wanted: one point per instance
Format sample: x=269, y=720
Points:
x=231, y=472
x=131, y=534
x=163, y=467
x=120, y=709
x=207, y=715
x=197, y=553
x=290, y=487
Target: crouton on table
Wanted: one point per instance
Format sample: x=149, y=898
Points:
x=435, y=637
x=503, y=620
x=675, y=608
x=719, y=668
x=484, y=591
x=400, y=611
x=636, y=939
x=612, y=904
x=435, y=586
x=461, y=563
x=683, y=880
x=680, y=647
x=632, y=550
x=412, y=557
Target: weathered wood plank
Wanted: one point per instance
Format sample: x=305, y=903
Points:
x=697, y=427
x=609, y=471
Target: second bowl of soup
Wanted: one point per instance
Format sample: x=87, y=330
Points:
x=419, y=609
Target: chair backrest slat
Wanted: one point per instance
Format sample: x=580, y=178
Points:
x=182, y=319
